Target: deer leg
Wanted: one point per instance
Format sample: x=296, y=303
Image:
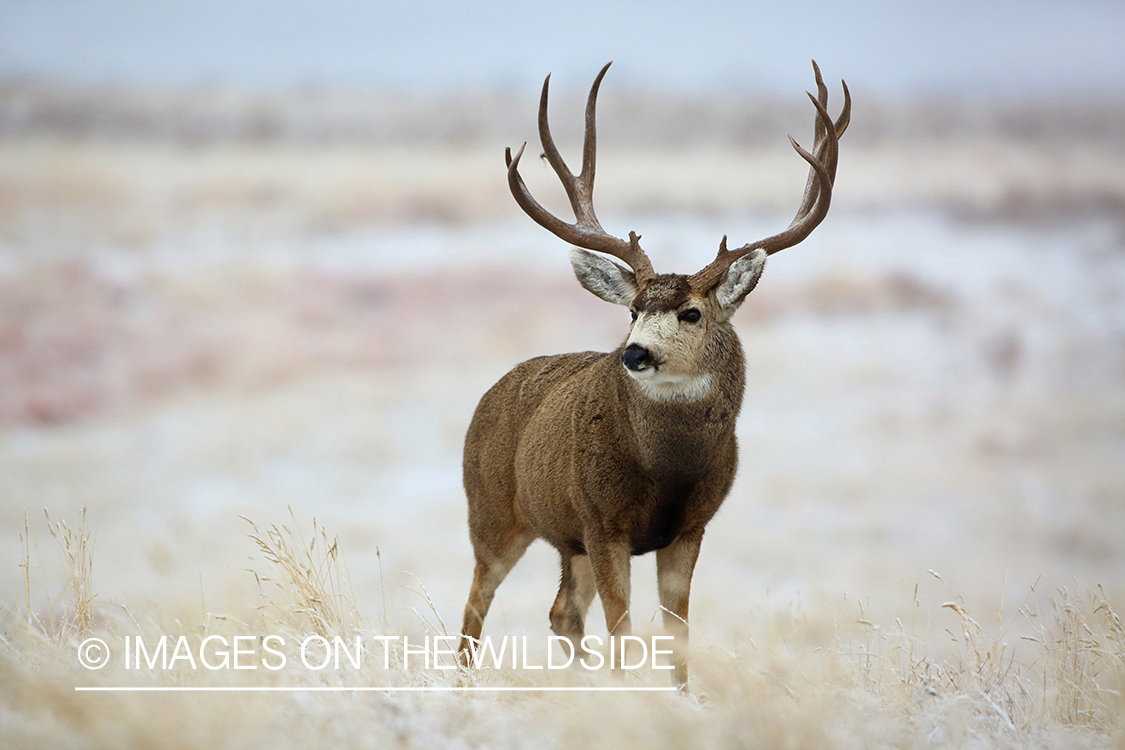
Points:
x=584, y=588
x=674, y=566
x=490, y=572
x=576, y=590
x=610, y=562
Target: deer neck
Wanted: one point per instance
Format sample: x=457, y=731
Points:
x=682, y=433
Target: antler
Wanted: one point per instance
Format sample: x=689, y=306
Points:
x=818, y=189
x=586, y=231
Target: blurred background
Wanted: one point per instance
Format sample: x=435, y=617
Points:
x=262, y=254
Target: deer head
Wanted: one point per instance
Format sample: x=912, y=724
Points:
x=673, y=314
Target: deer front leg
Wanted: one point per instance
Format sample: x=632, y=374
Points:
x=576, y=589
x=674, y=566
x=610, y=561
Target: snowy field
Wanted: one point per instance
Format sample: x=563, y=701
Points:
x=923, y=547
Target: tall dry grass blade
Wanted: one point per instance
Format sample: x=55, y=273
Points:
x=311, y=577
x=75, y=549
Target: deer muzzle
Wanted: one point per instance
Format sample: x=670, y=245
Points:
x=636, y=357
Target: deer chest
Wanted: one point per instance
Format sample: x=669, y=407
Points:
x=660, y=516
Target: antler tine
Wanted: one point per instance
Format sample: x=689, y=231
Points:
x=586, y=232
x=826, y=151
x=590, y=138
x=822, y=97
x=817, y=194
x=580, y=191
x=821, y=144
x=554, y=157
x=812, y=188
x=846, y=113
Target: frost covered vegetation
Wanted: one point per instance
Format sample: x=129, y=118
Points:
x=222, y=318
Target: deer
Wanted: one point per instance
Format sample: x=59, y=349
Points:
x=608, y=456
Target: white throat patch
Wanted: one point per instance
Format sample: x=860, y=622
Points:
x=660, y=387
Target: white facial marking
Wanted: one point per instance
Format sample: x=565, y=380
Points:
x=654, y=331
x=661, y=387
x=651, y=328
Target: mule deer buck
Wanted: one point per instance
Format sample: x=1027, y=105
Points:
x=610, y=455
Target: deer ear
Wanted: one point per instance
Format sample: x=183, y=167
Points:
x=740, y=280
x=604, y=278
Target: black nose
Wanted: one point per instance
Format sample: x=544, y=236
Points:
x=635, y=357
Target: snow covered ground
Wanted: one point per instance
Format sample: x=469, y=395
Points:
x=934, y=387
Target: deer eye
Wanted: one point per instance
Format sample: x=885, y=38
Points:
x=690, y=316
x=633, y=313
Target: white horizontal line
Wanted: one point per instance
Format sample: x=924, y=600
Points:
x=365, y=688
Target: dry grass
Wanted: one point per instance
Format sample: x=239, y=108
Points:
x=1074, y=678
x=1082, y=658
x=790, y=685
x=310, y=579
x=70, y=612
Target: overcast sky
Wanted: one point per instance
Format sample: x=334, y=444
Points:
x=892, y=47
